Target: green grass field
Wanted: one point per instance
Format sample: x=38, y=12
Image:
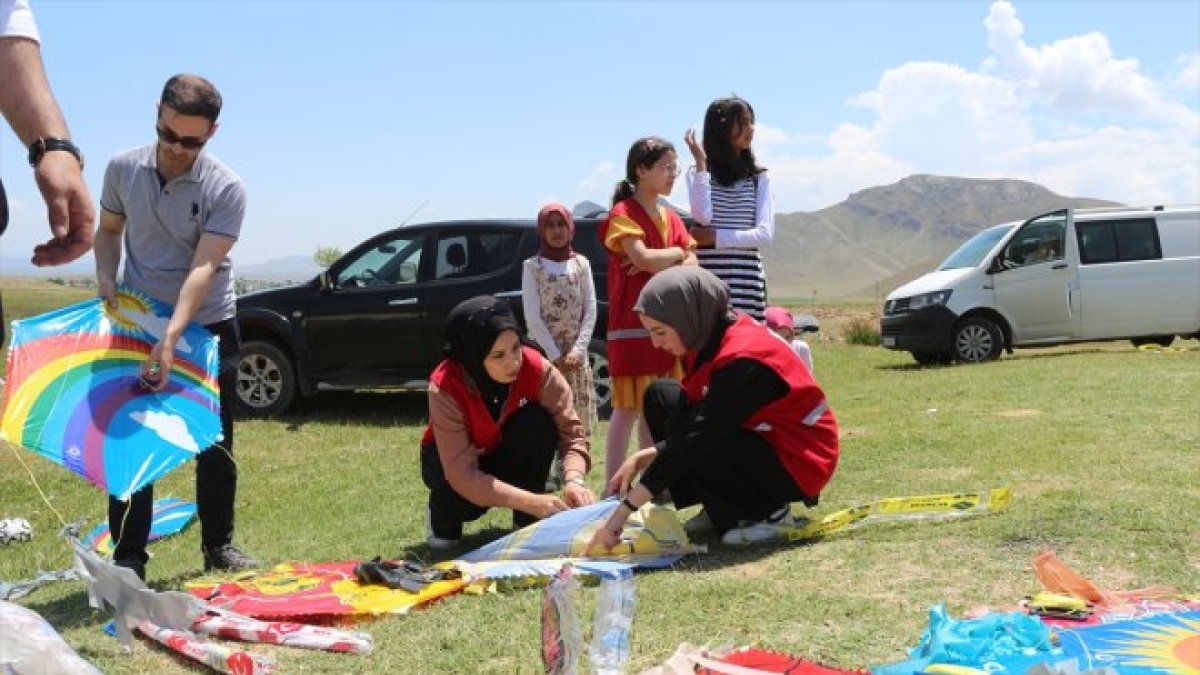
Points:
x=1100, y=442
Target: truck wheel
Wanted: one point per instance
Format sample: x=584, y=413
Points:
x=933, y=358
x=266, y=379
x=1160, y=340
x=977, y=339
x=598, y=360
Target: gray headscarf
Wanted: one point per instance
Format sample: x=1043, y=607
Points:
x=689, y=299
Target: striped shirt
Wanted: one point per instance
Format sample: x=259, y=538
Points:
x=742, y=215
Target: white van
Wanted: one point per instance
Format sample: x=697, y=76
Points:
x=1065, y=276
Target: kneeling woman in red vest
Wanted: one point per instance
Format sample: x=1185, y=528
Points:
x=745, y=434
x=498, y=412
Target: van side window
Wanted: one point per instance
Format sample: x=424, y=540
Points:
x=1038, y=241
x=1109, y=241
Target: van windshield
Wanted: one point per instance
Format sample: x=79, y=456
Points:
x=976, y=249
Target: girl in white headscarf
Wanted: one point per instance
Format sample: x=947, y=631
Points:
x=746, y=433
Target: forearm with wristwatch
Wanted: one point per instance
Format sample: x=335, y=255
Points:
x=630, y=503
x=45, y=144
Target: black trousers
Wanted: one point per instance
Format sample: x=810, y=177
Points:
x=741, y=481
x=528, y=442
x=216, y=473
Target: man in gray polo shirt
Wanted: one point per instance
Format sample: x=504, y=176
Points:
x=179, y=210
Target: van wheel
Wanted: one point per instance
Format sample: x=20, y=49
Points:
x=598, y=360
x=1160, y=340
x=977, y=339
x=266, y=379
x=933, y=358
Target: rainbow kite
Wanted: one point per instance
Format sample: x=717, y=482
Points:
x=73, y=394
x=1163, y=644
x=169, y=516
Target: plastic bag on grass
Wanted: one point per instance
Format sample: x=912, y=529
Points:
x=30, y=646
x=613, y=627
x=562, y=636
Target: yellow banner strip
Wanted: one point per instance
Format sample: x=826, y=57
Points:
x=924, y=507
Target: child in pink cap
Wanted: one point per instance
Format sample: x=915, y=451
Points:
x=779, y=320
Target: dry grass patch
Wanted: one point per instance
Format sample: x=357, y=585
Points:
x=1019, y=413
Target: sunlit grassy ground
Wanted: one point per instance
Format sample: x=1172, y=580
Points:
x=1101, y=444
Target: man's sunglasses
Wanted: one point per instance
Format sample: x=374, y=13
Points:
x=186, y=142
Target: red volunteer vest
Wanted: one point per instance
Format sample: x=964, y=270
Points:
x=483, y=431
x=630, y=351
x=800, y=425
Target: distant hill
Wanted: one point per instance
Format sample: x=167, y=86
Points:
x=881, y=237
x=292, y=267
x=16, y=264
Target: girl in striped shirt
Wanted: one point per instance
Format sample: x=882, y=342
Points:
x=730, y=199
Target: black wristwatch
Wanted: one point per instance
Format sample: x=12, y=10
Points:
x=41, y=146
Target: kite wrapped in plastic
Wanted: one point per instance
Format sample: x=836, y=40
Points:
x=74, y=393
x=653, y=538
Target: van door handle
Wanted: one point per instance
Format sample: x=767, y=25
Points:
x=402, y=301
x=1059, y=266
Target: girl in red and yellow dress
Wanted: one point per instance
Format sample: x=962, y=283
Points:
x=642, y=238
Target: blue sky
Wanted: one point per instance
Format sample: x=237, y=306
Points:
x=346, y=117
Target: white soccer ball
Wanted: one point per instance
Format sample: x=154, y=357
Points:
x=15, y=529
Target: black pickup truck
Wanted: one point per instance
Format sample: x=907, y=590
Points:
x=374, y=319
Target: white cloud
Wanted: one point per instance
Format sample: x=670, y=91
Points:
x=1068, y=114
x=170, y=428
x=1077, y=74
x=767, y=135
x=1133, y=166
x=597, y=186
x=810, y=183
x=601, y=179
x=944, y=117
x=1187, y=77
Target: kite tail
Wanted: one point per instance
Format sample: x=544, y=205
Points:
x=1057, y=577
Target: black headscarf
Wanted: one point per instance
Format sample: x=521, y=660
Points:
x=471, y=330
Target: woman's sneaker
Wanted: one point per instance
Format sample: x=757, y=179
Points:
x=698, y=524
x=770, y=529
x=434, y=541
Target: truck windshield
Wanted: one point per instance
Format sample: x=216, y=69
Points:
x=973, y=252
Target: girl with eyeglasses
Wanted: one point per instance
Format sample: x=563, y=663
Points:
x=641, y=237
x=730, y=198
